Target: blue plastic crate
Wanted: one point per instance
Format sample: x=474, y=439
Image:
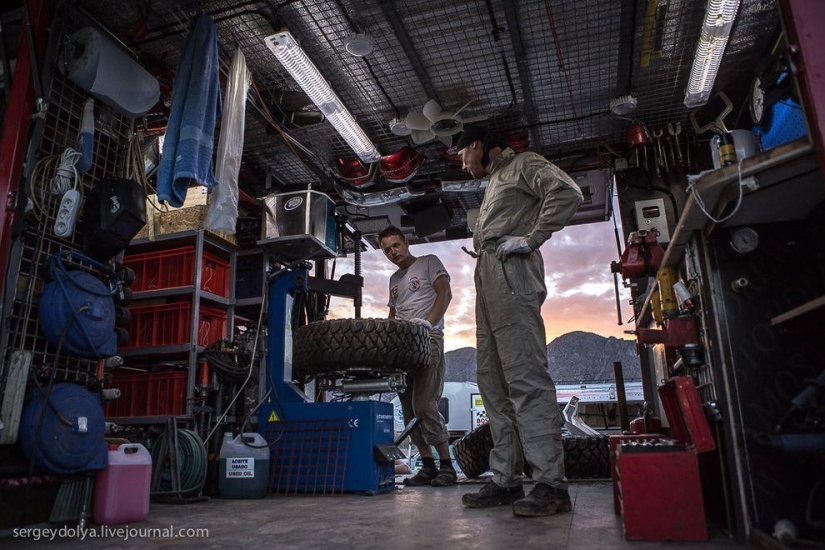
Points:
x=784, y=122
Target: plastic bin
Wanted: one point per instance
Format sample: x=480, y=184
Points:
x=122, y=489
x=175, y=268
x=148, y=394
x=170, y=324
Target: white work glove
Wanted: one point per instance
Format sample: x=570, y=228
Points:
x=512, y=245
x=422, y=322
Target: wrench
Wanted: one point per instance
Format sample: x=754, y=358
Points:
x=674, y=130
x=657, y=135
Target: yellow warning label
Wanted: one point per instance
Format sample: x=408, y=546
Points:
x=273, y=417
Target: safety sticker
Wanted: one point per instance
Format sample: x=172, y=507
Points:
x=273, y=417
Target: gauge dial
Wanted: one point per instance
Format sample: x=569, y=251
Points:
x=756, y=101
x=744, y=240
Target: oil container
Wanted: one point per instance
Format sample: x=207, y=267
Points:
x=244, y=466
x=122, y=489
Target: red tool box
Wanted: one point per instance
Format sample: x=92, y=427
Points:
x=658, y=479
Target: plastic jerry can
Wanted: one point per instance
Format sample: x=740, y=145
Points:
x=122, y=489
x=244, y=466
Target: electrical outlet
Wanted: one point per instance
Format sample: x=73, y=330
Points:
x=67, y=214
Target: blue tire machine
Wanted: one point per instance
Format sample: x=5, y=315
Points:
x=329, y=447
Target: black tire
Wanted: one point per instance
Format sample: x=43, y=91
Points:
x=370, y=345
x=586, y=457
x=472, y=452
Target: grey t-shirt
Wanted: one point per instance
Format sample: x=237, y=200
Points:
x=411, y=290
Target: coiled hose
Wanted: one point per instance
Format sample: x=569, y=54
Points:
x=191, y=463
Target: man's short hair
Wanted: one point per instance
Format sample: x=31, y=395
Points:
x=389, y=231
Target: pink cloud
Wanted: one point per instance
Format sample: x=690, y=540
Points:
x=577, y=276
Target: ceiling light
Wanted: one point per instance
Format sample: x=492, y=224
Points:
x=719, y=17
x=297, y=64
x=360, y=44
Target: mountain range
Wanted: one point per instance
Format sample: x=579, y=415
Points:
x=574, y=357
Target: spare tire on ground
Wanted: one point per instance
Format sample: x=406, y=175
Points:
x=585, y=457
x=472, y=452
x=371, y=345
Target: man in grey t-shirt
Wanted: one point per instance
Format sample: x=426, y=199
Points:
x=420, y=293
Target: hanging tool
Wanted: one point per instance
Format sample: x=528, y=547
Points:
x=657, y=152
x=674, y=130
x=642, y=257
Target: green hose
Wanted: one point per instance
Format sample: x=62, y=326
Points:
x=191, y=463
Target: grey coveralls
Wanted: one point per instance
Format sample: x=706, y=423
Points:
x=527, y=196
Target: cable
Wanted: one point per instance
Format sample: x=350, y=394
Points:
x=136, y=170
x=248, y=376
x=65, y=176
x=229, y=364
x=701, y=203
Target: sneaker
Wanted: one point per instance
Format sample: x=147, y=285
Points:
x=492, y=495
x=445, y=477
x=543, y=500
x=423, y=477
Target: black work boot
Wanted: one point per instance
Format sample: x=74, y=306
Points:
x=492, y=495
x=543, y=500
x=424, y=476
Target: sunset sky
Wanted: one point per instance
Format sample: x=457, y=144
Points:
x=580, y=292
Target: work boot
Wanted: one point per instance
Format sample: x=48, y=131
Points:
x=445, y=477
x=543, y=500
x=492, y=495
x=424, y=476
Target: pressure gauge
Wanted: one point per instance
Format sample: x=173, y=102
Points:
x=744, y=240
x=756, y=101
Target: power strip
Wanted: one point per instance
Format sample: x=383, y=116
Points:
x=67, y=213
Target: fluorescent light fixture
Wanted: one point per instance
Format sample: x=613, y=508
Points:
x=297, y=64
x=719, y=16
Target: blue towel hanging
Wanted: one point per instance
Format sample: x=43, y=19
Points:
x=196, y=103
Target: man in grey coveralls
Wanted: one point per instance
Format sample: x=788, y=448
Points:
x=526, y=201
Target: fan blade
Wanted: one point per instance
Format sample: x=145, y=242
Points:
x=431, y=110
x=470, y=120
x=446, y=140
x=417, y=121
x=421, y=136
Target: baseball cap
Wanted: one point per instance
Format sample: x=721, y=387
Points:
x=470, y=134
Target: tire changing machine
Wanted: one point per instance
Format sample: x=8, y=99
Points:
x=319, y=448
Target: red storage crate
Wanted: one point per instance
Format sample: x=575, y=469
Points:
x=170, y=324
x=148, y=394
x=175, y=268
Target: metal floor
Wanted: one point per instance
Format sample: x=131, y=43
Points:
x=425, y=517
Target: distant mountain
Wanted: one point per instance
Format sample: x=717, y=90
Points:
x=573, y=357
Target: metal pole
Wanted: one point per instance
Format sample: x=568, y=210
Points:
x=357, y=240
x=621, y=398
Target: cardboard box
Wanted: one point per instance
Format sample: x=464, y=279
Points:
x=174, y=220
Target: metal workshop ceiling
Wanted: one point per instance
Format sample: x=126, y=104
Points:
x=549, y=67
